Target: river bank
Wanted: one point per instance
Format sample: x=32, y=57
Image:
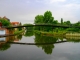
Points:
x=64, y=34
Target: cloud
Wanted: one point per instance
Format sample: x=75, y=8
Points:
x=72, y=5
x=54, y=1
x=49, y=1
x=26, y=10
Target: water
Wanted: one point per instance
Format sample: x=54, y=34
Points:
x=67, y=50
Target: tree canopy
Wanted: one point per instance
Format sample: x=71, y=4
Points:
x=48, y=17
x=5, y=22
x=43, y=19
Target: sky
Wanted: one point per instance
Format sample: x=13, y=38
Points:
x=24, y=11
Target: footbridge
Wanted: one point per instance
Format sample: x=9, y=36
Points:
x=46, y=25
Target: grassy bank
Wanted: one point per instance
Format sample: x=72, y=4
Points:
x=18, y=32
x=73, y=34
x=59, y=33
x=51, y=33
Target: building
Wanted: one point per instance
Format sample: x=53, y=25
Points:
x=15, y=23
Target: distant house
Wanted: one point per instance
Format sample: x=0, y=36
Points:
x=15, y=23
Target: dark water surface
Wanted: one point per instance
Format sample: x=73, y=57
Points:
x=69, y=50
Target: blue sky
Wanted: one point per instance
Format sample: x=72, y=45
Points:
x=25, y=10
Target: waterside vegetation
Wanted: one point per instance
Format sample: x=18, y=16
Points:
x=47, y=18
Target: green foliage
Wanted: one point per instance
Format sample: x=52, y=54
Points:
x=28, y=33
x=19, y=36
x=37, y=32
x=61, y=20
x=29, y=28
x=27, y=24
x=4, y=46
x=18, y=32
x=38, y=19
x=20, y=28
x=55, y=22
x=45, y=39
x=73, y=29
x=5, y=22
x=67, y=23
x=77, y=24
x=48, y=17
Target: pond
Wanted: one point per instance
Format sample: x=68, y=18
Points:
x=50, y=47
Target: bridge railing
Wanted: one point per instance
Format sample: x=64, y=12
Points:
x=53, y=25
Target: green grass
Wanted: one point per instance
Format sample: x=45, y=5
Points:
x=18, y=32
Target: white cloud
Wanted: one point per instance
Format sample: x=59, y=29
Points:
x=53, y=1
x=73, y=5
x=27, y=1
x=49, y=1
x=27, y=10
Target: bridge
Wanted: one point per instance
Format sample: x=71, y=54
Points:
x=47, y=25
x=36, y=43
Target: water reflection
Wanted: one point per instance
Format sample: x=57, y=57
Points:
x=4, y=45
x=51, y=39
x=73, y=39
x=45, y=39
x=28, y=33
x=19, y=37
x=39, y=38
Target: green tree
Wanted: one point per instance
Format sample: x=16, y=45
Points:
x=38, y=19
x=77, y=24
x=67, y=23
x=55, y=22
x=5, y=22
x=61, y=20
x=48, y=17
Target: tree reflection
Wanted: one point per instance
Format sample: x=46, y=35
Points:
x=73, y=39
x=29, y=33
x=45, y=39
x=4, y=46
x=19, y=36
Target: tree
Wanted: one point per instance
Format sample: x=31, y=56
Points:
x=61, y=20
x=55, y=22
x=67, y=22
x=77, y=24
x=38, y=19
x=5, y=22
x=48, y=17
